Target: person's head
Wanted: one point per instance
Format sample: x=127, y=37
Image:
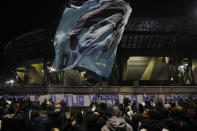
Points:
x=140, y=108
x=179, y=108
x=126, y=101
x=102, y=107
x=113, y=112
x=159, y=105
x=45, y=99
x=57, y=108
x=167, y=106
x=145, y=113
x=50, y=100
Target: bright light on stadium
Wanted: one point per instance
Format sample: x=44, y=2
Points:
x=11, y=81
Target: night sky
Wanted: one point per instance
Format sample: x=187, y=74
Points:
x=19, y=17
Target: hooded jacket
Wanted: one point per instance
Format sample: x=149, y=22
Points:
x=114, y=123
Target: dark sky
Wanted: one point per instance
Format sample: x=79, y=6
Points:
x=18, y=17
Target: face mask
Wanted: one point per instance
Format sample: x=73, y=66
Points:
x=57, y=110
x=93, y=109
x=129, y=113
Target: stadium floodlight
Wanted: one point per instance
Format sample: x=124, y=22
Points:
x=11, y=81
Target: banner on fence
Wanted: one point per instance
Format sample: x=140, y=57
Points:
x=85, y=100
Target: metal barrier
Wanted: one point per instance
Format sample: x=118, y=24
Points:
x=101, y=90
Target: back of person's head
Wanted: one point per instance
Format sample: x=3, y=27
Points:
x=112, y=111
x=50, y=107
x=140, y=108
x=179, y=108
x=167, y=106
x=101, y=108
x=159, y=102
x=126, y=101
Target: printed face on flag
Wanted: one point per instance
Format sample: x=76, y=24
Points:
x=87, y=36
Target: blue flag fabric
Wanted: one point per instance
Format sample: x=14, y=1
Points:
x=87, y=36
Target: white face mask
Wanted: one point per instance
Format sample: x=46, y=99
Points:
x=57, y=110
x=93, y=108
x=130, y=113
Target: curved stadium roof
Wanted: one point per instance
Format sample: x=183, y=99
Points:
x=143, y=36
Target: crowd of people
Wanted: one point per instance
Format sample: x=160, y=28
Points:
x=22, y=114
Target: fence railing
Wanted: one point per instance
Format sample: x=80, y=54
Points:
x=101, y=90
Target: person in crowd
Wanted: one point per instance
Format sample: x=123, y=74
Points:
x=51, y=101
x=36, y=103
x=127, y=111
x=138, y=117
x=19, y=120
x=3, y=104
x=97, y=118
x=181, y=121
x=41, y=122
x=115, y=123
x=61, y=117
x=50, y=105
x=148, y=104
x=153, y=123
x=134, y=106
x=44, y=104
x=74, y=122
x=63, y=103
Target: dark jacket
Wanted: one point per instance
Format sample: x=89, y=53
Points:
x=41, y=124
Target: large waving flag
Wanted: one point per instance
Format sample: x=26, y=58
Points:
x=87, y=36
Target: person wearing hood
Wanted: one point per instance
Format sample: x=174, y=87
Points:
x=115, y=123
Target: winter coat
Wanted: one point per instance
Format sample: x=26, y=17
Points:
x=114, y=123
